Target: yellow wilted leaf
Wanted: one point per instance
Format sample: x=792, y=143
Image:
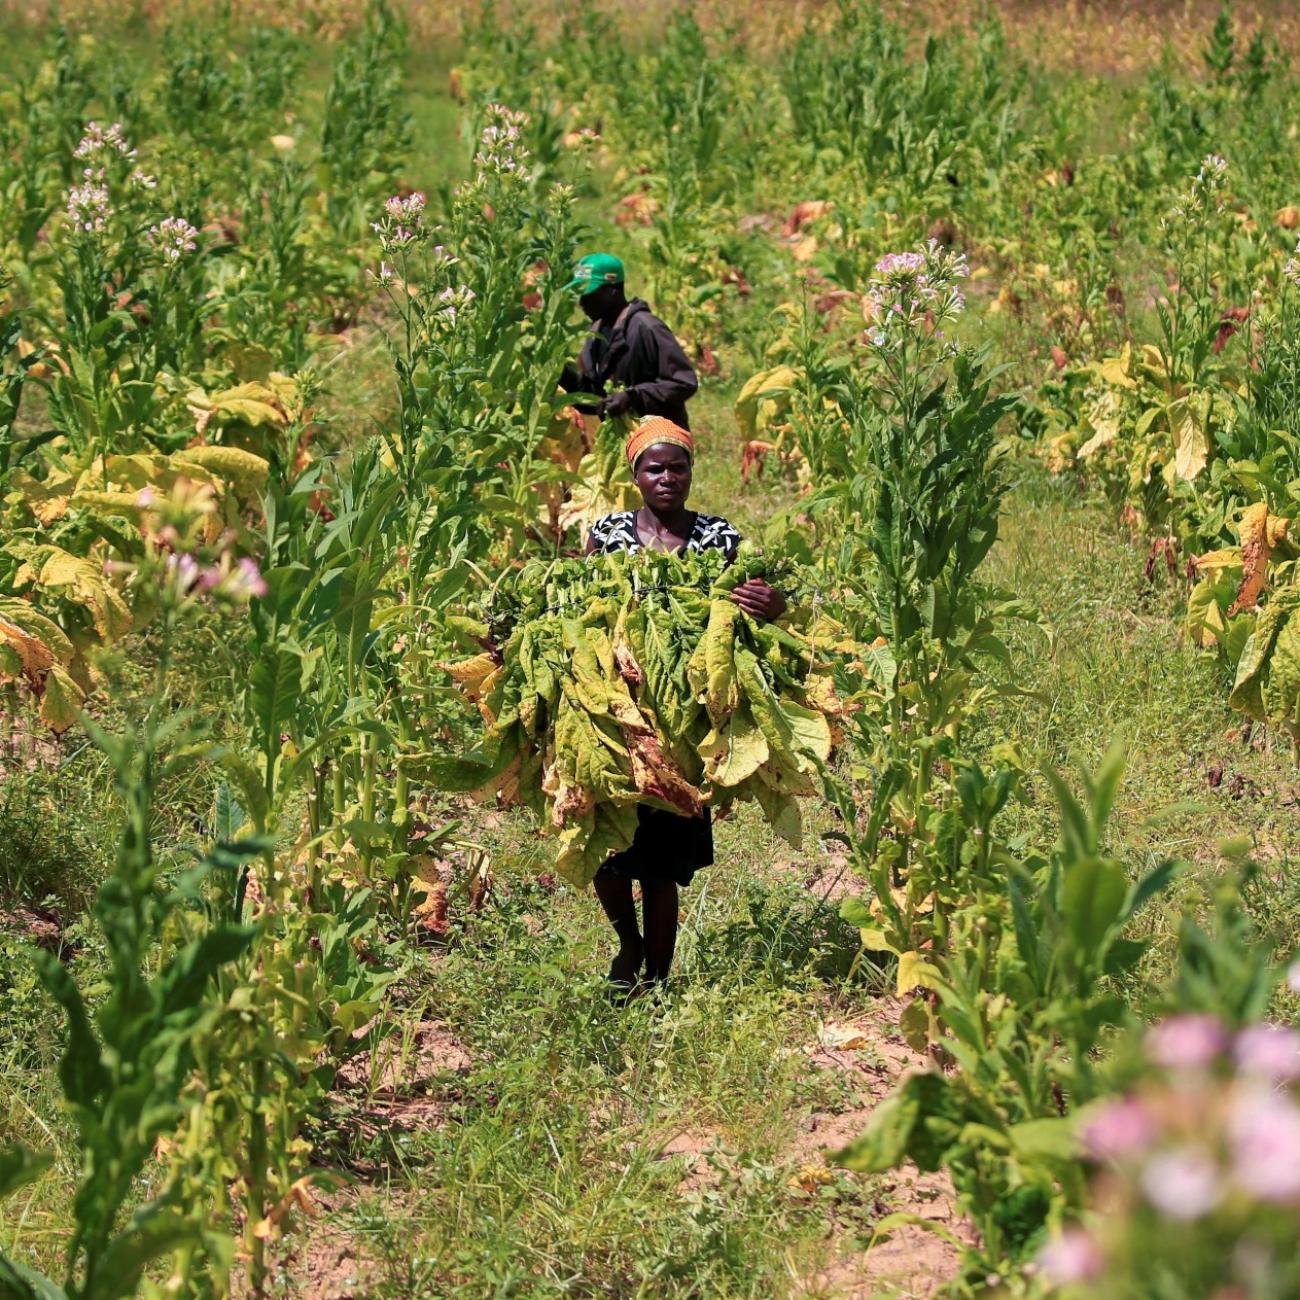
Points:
x=1253, y=531
x=1115, y=370
x=1213, y=561
x=116, y=503
x=83, y=582
x=22, y=654
x=471, y=674
x=1154, y=360
x=60, y=700
x=805, y=249
x=251, y=403
x=843, y=1038
x=48, y=499
x=764, y=399
x=734, y=750
x=811, y=1176
x=915, y=972
x=1191, y=446
x=299, y=1196
x=242, y=468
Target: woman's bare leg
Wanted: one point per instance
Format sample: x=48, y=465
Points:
x=659, y=903
x=615, y=894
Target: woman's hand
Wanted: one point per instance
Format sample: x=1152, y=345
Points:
x=756, y=598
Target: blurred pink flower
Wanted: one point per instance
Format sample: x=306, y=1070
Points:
x=1119, y=1129
x=184, y=570
x=1186, y=1042
x=1268, y=1050
x=1072, y=1257
x=1264, y=1129
x=1293, y=977
x=1183, y=1183
x=244, y=581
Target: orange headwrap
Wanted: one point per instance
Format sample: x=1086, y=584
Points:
x=653, y=430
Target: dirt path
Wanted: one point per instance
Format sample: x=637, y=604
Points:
x=913, y=1262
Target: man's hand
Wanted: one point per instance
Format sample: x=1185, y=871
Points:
x=756, y=598
x=615, y=404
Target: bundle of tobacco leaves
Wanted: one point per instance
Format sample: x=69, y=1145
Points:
x=627, y=679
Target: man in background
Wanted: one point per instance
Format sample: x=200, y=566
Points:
x=631, y=359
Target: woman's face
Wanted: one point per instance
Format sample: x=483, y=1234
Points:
x=663, y=473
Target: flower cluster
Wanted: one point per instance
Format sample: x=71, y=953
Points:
x=100, y=143
x=909, y=290
x=453, y=300
x=189, y=555
x=402, y=223
x=172, y=238
x=1292, y=268
x=1214, y=1132
x=1203, y=196
x=501, y=147
x=237, y=581
x=88, y=206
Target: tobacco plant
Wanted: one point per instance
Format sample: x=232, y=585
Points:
x=127, y=1059
x=1029, y=990
x=921, y=474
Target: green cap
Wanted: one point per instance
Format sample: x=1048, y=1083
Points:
x=594, y=272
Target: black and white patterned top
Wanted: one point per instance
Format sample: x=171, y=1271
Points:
x=617, y=532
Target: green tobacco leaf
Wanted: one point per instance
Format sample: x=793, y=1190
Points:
x=1124, y=954
x=18, y=1167
x=228, y=815
x=1027, y=938
x=131, y=1252
x=1050, y=1139
x=1093, y=899
x=908, y=1219
x=1154, y=882
x=18, y=1282
x=918, y=1122
x=857, y=912
x=81, y=1071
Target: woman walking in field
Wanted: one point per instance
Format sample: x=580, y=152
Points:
x=668, y=849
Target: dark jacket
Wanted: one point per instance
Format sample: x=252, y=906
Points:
x=641, y=354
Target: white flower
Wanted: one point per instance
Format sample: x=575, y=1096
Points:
x=501, y=148
x=88, y=207
x=172, y=237
x=455, y=299
x=98, y=142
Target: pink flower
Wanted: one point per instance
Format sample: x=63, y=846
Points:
x=1119, y=1129
x=1293, y=971
x=88, y=207
x=246, y=581
x=900, y=264
x=1264, y=1130
x=185, y=571
x=1186, y=1042
x=1268, y=1050
x=1183, y=1184
x=1072, y=1257
x=406, y=209
x=144, y=498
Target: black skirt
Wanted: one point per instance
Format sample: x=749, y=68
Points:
x=666, y=847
